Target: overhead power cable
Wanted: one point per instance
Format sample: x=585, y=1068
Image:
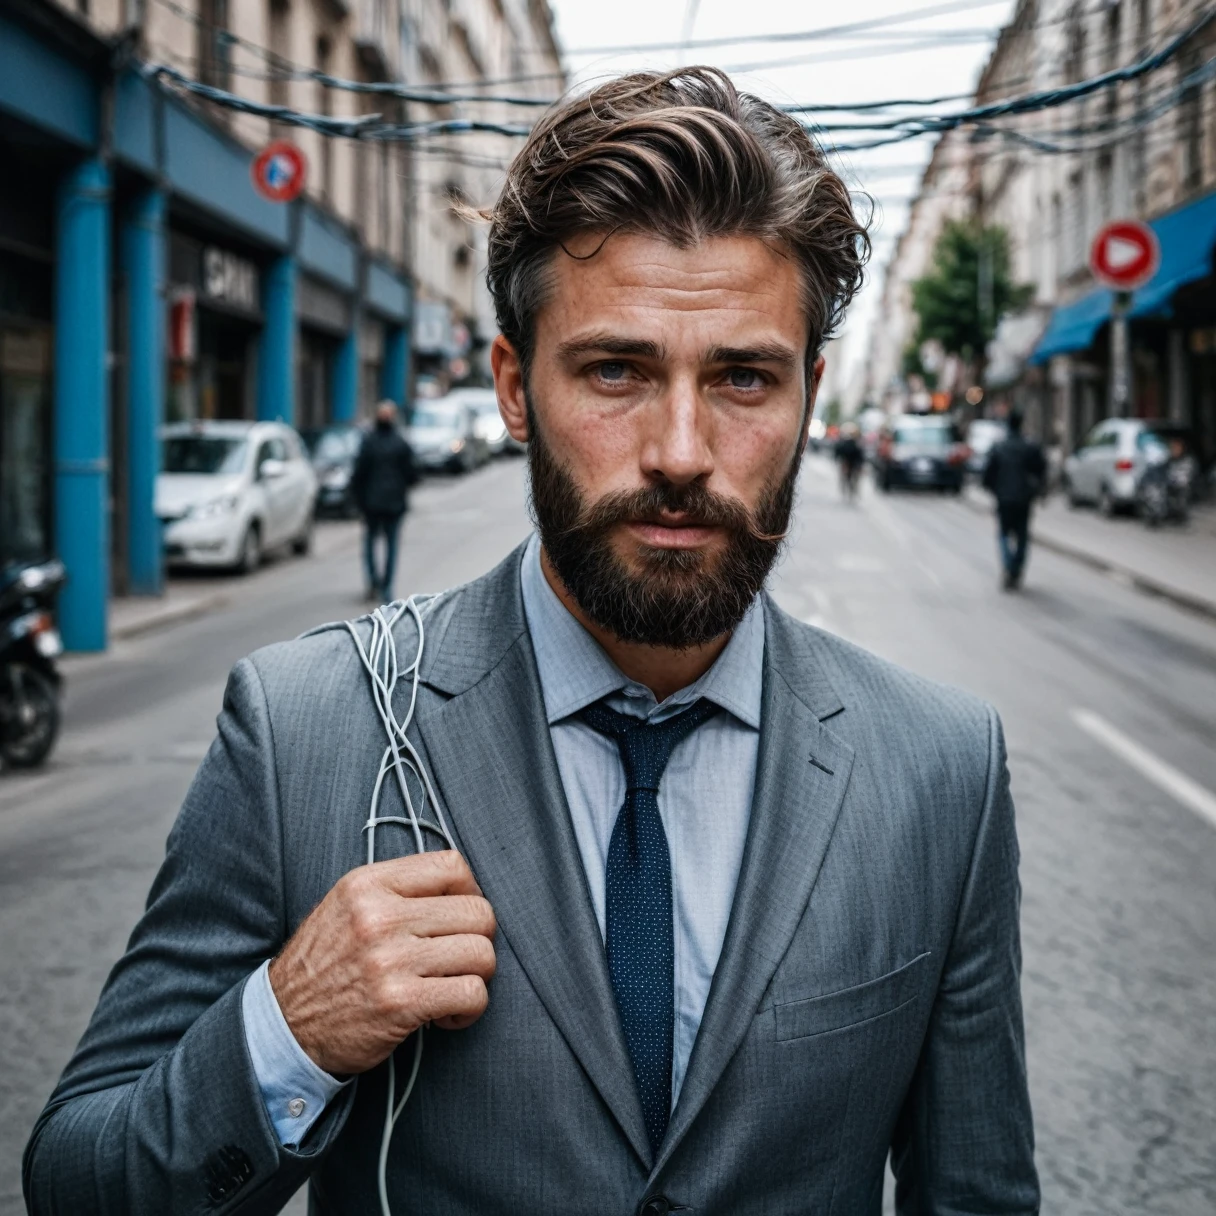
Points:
x=829, y=31
x=902, y=128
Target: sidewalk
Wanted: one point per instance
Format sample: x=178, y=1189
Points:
x=1176, y=563
x=133, y=615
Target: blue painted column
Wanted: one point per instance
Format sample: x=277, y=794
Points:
x=82, y=406
x=143, y=256
x=344, y=385
x=394, y=371
x=277, y=353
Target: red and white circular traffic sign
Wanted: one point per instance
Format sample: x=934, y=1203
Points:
x=1125, y=255
x=279, y=172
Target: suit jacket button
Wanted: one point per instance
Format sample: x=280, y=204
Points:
x=656, y=1205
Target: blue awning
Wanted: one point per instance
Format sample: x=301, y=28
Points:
x=1186, y=237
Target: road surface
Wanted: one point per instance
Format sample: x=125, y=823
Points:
x=1109, y=702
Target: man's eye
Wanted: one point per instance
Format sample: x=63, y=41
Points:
x=743, y=377
x=612, y=371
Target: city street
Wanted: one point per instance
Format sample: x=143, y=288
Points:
x=1109, y=702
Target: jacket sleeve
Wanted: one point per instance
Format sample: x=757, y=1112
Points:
x=964, y=1141
x=990, y=466
x=358, y=476
x=159, y=1110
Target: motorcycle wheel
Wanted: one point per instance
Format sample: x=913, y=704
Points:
x=31, y=717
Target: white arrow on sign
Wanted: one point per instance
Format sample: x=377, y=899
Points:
x=1121, y=253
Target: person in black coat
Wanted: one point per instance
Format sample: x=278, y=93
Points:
x=384, y=472
x=1015, y=474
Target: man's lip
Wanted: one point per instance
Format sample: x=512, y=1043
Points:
x=673, y=534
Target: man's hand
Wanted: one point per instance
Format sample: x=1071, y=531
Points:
x=392, y=946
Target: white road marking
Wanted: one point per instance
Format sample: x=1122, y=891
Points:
x=1178, y=785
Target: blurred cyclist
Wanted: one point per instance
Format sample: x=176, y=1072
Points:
x=850, y=457
x=1015, y=474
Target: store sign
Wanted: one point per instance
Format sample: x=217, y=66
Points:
x=229, y=279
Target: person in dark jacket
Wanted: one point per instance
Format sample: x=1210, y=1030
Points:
x=1015, y=475
x=384, y=472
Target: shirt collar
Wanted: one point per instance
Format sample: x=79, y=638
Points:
x=575, y=670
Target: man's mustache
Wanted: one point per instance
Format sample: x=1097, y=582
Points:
x=697, y=505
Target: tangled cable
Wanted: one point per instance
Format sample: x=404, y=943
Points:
x=379, y=659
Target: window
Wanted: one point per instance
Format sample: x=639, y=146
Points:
x=203, y=454
x=214, y=45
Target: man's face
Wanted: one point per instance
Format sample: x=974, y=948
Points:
x=666, y=405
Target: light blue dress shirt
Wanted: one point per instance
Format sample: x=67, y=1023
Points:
x=705, y=803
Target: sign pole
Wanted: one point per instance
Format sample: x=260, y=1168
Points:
x=1120, y=356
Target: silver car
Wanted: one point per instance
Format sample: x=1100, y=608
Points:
x=443, y=435
x=489, y=424
x=1107, y=466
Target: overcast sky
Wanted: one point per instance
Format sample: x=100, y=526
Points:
x=889, y=60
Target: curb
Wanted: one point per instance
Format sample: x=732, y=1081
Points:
x=170, y=614
x=1124, y=574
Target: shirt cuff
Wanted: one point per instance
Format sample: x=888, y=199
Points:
x=294, y=1089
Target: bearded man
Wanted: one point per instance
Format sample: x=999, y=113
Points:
x=732, y=912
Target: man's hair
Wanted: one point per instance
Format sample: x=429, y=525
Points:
x=682, y=156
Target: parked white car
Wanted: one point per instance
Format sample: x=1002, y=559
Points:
x=1107, y=466
x=229, y=491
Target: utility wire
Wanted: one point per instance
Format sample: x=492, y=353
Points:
x=830, y=31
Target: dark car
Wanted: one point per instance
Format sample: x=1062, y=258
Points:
x=332, y=450
x=921, y=450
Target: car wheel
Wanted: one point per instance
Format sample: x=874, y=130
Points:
x=251, y=551
x=1106, y=502
x=301, y=546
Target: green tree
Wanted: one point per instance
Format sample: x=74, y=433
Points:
x=968, y=289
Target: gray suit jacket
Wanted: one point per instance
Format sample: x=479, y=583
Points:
x=867, y=996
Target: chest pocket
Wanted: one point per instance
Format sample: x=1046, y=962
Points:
x=852, y=1006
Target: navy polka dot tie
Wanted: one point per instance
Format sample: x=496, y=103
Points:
x=640, y=937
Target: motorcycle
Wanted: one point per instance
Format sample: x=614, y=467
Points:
x=1165, y=489
x=29, y=645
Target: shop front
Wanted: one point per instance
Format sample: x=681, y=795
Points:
x=324, y=315
x=26, y=348
x=215, y=320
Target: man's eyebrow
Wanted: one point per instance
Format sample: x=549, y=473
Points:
x=607, y=344
x=764, y=352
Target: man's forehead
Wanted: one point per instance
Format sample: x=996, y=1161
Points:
x=630, y=278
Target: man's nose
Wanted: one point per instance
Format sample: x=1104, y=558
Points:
x=679, y=441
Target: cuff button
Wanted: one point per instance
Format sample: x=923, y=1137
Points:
x=296, y=1107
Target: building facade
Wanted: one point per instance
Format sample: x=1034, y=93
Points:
x=144, y=279
x=1144, y=149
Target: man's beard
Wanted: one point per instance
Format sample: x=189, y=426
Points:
x=680, y=598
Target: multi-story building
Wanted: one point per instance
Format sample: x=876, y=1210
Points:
x=143, y=278
x=1144, y=149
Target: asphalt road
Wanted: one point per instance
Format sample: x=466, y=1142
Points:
x=1109, y=702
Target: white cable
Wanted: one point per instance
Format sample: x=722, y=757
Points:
x=379, y=659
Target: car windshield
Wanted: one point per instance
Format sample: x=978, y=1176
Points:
x=204, y=454
x=441, y=419
x=332, y=445
x=925, y=434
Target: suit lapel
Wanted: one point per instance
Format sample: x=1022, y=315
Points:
x=492, y=760
x=801, y=776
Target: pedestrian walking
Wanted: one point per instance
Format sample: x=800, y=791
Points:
x=738, y=901
x=380, y=485
x=1015, y=473
x=850, y=457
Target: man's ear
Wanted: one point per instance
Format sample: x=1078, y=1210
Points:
x=812, y=392
x=509, y=385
